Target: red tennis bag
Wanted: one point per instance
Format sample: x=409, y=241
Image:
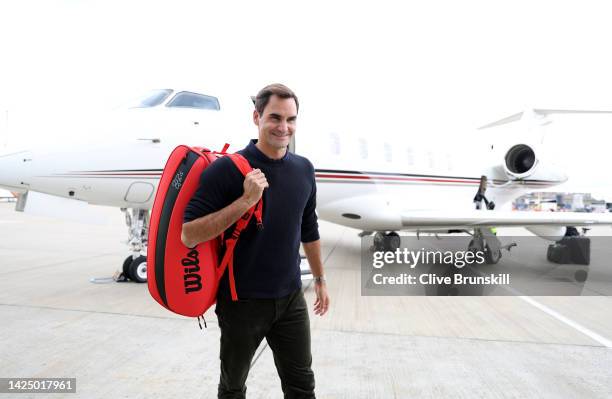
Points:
x=185, y=280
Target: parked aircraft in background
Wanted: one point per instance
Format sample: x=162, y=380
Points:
x=379, y=186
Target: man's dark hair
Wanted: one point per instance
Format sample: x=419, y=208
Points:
x=278, y=89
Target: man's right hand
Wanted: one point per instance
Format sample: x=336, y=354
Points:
x=254, y=184
x=210, y=226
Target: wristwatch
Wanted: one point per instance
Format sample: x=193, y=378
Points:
x=319, y=279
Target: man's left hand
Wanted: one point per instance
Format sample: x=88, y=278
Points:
x=322, y=302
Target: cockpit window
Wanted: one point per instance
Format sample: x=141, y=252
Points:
x=151, y=99
x=186, y=99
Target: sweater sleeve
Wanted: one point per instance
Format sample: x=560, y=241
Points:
x=215, y=190
x=310, y=226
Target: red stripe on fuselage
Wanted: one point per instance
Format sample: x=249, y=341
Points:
x=419, y=179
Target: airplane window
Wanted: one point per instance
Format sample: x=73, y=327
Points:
x=186, y=99
x=363, y=148
x=388, y=152
x=430, y=159
x=409, y=156
x=335, y=144
x=151, y=99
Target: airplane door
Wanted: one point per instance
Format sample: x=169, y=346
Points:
x=139, y=192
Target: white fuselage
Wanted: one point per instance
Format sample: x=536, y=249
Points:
x=376, y=181
x=368, y=181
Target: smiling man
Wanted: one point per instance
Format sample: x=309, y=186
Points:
x=271, y=304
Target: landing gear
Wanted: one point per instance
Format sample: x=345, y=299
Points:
x=386, y=241
x=480, y=195
x=393, y=240
x=485, y=241
x=138, y=269
x=135, y=266
x=126, y=267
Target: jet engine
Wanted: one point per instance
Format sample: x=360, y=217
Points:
x=521, y=162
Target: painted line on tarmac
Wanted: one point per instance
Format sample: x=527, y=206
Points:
x=558, y=316
x=591, y=334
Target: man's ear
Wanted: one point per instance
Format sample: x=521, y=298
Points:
x=256, y=117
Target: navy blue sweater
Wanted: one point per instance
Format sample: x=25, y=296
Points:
x=266, y=262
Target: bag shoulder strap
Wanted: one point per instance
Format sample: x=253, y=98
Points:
x=241, y=163
x=230, y=243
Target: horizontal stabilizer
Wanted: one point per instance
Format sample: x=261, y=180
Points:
x=542, y=112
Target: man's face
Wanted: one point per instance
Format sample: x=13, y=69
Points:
x=277, y=123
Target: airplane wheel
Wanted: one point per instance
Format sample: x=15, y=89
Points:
x=379, y=241
x=581, y=276
x=492, y=257
x=138, y=269
x=126, y=266
x=393, y=241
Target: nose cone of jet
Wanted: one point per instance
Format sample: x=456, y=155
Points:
x=14, y=170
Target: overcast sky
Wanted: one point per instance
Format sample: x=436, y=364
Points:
x=435, y=68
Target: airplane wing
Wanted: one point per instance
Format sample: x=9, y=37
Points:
x=486, y=218
x=374, y=213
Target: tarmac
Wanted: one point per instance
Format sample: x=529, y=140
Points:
x=119, y=343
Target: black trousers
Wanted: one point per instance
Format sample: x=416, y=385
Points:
x=284, y=323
